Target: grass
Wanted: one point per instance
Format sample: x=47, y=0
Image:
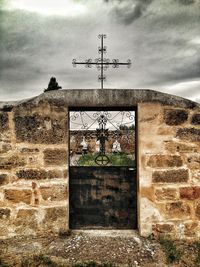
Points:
x=3, y=263
x=197, y=259
x=121, y=159
x=117, y=159
x=38, y=260
x=173, y=254
x=87, y=160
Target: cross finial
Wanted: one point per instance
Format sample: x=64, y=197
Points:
x=102, y=63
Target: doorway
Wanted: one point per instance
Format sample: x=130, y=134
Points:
x=102, y=169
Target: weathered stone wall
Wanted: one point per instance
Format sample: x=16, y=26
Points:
x=169, y=170
x=33, y=169
x=34, y=161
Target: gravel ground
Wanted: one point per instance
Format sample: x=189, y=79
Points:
x=98, y=249
x=113, y=249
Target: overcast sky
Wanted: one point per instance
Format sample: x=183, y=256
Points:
x=39, y=39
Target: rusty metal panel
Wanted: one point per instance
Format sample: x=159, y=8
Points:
x=104, y=197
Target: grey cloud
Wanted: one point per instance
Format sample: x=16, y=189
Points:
x=187, y=69
x=155, y=35
x=186, y=2
x=127, y=11
x=34, y=48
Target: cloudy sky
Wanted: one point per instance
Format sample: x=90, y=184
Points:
x=39, y=39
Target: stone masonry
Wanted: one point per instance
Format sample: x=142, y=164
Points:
x=34, y=161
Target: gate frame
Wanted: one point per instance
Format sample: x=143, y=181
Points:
x=108, y=108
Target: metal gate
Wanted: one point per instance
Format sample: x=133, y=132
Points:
x=102, y=173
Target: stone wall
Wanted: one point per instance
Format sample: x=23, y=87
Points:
x=169, y=170
x=33, y=169
x=34, y=161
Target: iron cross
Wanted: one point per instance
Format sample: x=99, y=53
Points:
x=102, y=63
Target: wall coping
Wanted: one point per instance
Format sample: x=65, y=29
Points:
x=103, y=97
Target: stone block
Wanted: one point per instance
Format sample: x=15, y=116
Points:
x=54, y=192
x=26, y=150
x=149, y=112
x=26, y=221
x=171, y=176
x=37, y=129
x=32, y=174
x=39, y=174
x=156, y=161
x=190, y=192
x=164, y=130
x=5, y=147
x=178, y=210
x=163, y=228
x=5, y=137
x=52, y=174
x=193, y=161
x=55, y=213
x=54, y=157
x=174, y=147
x=196, y=119
x=18, y=195
x=165, y=194
x=197, y=211
x=4, y=179
x=191, y=228
x=4, y=122
x=175, y=116
x=10, y=162
x=26, y=214
x=4, y=232
x=34, y=160
x=4, y=213
x=189, y=134
x=195, y=175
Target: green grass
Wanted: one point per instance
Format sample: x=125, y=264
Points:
x=118, y=159
x=87, y=160
x=173, y=254
x=121, y=159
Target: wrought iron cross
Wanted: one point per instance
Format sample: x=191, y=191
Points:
x=102, y=63
x=102, y=137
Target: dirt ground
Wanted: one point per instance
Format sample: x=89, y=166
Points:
x=91, y=249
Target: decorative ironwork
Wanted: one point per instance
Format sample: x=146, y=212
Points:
x=101, y=126
x=102, y=63
x=102, y=137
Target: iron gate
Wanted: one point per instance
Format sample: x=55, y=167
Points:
x=102, y=184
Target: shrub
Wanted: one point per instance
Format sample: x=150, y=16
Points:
x=173, y=254
x=38, y=260
x=197, y=259
x=3, y=263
